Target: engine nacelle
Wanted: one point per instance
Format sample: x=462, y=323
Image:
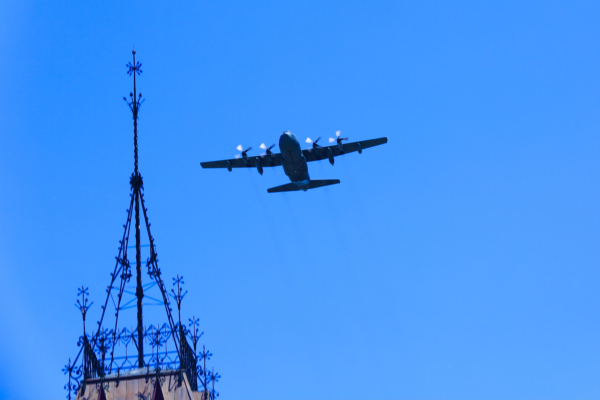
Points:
x=330, y=155
x=228, y=166
x=259, y=165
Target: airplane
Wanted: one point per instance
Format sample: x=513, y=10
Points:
x=293, y=159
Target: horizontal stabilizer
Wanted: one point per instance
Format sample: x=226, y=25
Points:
x=291, y=187
x=322, y=182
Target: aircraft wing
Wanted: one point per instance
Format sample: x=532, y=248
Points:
x=322, y=153
x=274, y=161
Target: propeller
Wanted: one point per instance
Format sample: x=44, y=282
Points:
x=267, y=150
x=338, y=139
x=244, y=152
x=314, y=144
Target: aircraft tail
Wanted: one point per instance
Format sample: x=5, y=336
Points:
x=312, y=184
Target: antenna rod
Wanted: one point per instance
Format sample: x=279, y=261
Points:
x=135, y=117
x=136, y=183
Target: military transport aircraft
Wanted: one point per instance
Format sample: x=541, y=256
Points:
x=294, y=160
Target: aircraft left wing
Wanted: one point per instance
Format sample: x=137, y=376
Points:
x=322, y=153
x=250, y=162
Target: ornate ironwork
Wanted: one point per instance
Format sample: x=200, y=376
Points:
x=194, y=331
x=92, y=368
x=202, y=372
x=108, y=352
x=178, y=294
x=96, y=364
x=82, y=304
x=213, y=377
x=134, y=68
x=74, y=372
x=188, y=360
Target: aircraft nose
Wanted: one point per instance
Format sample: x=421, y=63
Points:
x=285, y=138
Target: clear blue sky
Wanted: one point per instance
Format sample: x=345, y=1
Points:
x=460, y=260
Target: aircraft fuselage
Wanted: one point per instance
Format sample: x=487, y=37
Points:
x=293, y=161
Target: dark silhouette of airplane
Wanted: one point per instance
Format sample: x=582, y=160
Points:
x=293, y=159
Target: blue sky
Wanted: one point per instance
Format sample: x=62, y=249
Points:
x=460, y=260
